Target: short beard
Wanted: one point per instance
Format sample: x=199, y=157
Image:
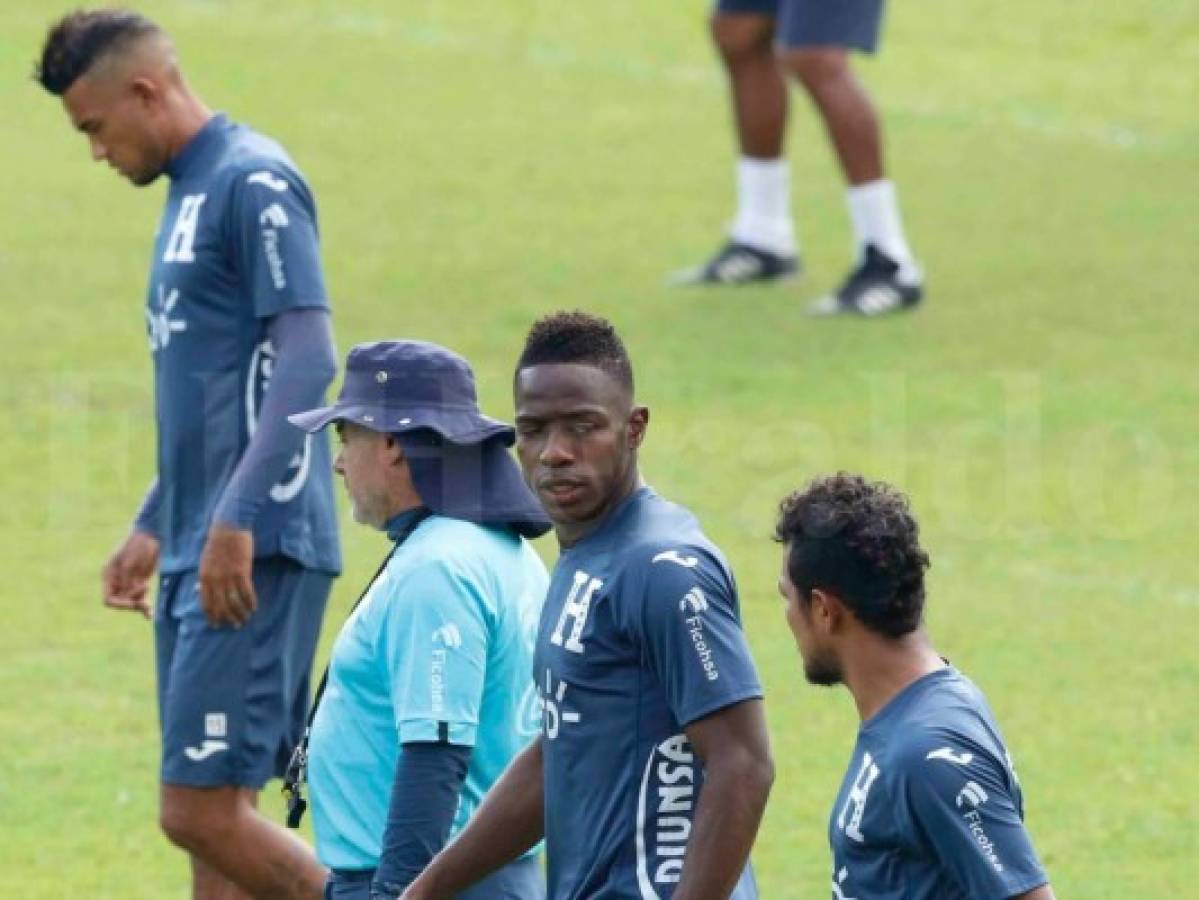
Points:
x=145, y=179
x=822, y=672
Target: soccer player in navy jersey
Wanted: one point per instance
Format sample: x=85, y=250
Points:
x=930, y=808
x=240, y=522
x=653, y=767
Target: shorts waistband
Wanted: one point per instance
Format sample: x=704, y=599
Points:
x=351, y=876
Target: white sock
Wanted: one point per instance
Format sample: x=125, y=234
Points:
x=874, y=211
x=764, y=206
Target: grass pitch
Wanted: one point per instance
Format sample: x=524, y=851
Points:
x=479, y=164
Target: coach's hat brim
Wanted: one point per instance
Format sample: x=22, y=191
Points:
x=462, y=425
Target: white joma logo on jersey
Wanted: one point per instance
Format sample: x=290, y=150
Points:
x=947, y=754
x=449, y=635
x=673, y=556
x=266, y=179
x=205, y=750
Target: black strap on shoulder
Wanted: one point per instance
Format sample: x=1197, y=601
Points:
x=297, y=768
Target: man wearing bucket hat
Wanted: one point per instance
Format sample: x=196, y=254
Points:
x=428, y=694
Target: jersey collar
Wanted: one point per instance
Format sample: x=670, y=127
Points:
x=195, y=149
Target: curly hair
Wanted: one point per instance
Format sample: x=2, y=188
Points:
x=76, y=41
x=859, y=541
x=577, y=337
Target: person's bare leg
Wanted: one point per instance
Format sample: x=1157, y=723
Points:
x=209, y=884
x=237, y=853
x=761, y=245
x=745, y=42
x=845, y=106
x=885, y=276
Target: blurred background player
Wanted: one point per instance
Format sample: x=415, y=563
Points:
x=760, y=41
x=930, y=807
x=653, y=766
x=240, y=521
x=428, y=695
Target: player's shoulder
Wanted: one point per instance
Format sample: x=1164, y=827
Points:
x=948, y=725
x=666, y=537
x=253, y=161
x=660, y=559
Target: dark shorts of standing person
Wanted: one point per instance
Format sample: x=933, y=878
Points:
x=232, y=702
x=852, y=24
x=520, y=880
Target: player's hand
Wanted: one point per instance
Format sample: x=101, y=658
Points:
x=125, y=578
x=226, y=587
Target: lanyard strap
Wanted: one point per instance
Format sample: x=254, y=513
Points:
x=297, y=768
x=406, y=533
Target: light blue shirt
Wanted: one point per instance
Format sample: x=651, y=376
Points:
x=440, y=648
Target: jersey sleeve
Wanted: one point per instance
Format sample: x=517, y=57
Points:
x=964, y=806
x=273, y=233
x=434, y=643
x=691, y=635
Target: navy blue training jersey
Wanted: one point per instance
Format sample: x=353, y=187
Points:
x=930, y=808
x=640, y=635
x=237, y=245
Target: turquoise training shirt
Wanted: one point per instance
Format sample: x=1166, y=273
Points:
x=439, y=649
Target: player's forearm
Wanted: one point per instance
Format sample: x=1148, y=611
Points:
x=305, y=364
x=510, y=821
x=730, y=810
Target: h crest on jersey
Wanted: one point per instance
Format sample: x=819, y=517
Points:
x=180, y=247
x=575, y=609
x=850, y=819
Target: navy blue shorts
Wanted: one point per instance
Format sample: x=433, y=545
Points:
x=521, y=880
x=232, y=702
x=852, y=24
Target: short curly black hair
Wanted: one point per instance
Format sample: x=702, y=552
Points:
x=859, y=541
x=76, y=41
x=577, y=337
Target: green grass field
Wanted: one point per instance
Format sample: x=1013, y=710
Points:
x=479, y=164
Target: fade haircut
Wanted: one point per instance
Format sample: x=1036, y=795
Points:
x=78, y=40
x=857, y=540
x=581, y=338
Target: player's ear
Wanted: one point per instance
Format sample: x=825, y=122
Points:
x=393, y=451
x=145, y=91
x=638, y=425
x=825, y=610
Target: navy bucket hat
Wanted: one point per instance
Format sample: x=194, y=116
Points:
x=424, y=395
x=398, y=386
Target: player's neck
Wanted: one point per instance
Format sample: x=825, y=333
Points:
x=188, y=116
x=882, y=667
